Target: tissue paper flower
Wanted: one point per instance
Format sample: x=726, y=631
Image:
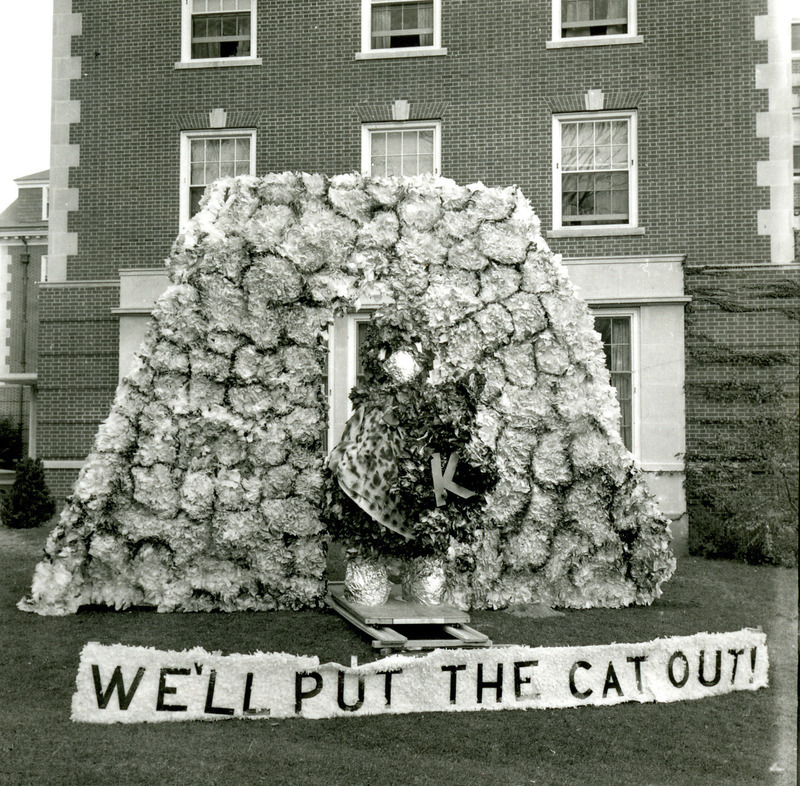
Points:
x=209, y=488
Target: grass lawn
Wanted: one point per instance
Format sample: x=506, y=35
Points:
x=745, y=737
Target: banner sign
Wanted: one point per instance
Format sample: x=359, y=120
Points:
x=119, y=684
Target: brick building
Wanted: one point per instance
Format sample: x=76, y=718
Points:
x=654, y=144
x=23, y=264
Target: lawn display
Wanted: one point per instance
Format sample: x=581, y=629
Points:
x=208, y=487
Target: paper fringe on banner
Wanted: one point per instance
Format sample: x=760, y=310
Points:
x=120, y=684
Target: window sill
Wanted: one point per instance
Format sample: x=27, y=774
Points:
x=222, y=62
x=412, y=51
x=595, y=231
x=598, y=40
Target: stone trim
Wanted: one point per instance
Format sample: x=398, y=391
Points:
x=600, y=40
x=638, y=259
x=216, y=118
x=393, y=54
x=226, y=63
x=64, y=463
x=775, y=76
x=595, y=101
x=386, y=112
x=88, y=283
x=63, y=155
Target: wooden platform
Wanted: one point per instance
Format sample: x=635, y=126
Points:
x=400, y=625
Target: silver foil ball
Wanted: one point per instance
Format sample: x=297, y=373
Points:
x=366, y=581
x=424, y=581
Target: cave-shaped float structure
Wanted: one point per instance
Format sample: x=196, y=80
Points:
x=206, y=487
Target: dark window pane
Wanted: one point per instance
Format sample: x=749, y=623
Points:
x=402, y=25
x=615, y=333
x=220, y=35
x=361, y=338
x=593, y=17
x=195, y=195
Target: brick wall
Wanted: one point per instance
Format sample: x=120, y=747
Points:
x=78, y=371
x=692, y=82
x=497, y=83
x=60, y=483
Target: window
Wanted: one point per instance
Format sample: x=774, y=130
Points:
x=617, y=335
x=401, y=27
x=400, y=149
x=394, y=25
x=594, y=170
x=593, y=18
x=208, y=155
x=218, y=29
x=616, y=329
x=346, y=336
x=796, y=144
x=45, y=203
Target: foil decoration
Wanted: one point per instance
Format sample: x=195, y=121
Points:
x=424, y=581
x=366, y=581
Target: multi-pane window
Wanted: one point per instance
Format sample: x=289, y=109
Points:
x=595, y=175
x=209, y=155
x=593, y=17
x=404, y=149
x=221, y=28
x=615, y=332
x=394, y=25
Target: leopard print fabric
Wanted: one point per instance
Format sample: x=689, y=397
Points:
x=365, y=465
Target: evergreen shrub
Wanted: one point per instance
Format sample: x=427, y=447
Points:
x=29, y=503
x=10, y=444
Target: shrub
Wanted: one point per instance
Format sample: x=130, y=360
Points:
x=28, y=503
x=10, y=443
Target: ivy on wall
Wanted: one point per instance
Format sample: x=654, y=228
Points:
x=742, y=417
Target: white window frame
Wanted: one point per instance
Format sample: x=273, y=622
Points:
x=187, y=11
x=342, y=365
x=630, y=37
x=45, y=203
x=185, y=159
x=366, y=140
x=368, y=52
x=633, y=175
x=633, y=313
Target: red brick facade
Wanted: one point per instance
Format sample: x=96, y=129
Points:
x=691, y=79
